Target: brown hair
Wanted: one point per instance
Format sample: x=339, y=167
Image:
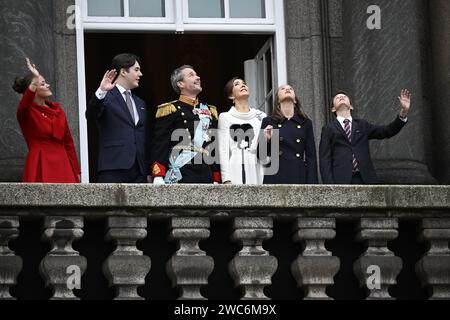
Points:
x=339, y=92
x=21, y=83
x=228, y=90
x=278, y=115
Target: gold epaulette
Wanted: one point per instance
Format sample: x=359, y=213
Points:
x=213, y=110
x=165, y=109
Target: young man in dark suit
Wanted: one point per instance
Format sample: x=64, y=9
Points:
x=344, y=144
x=121, y=119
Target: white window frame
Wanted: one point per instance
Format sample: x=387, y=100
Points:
x=174, y=22
x=169, y=18
x=227, y=19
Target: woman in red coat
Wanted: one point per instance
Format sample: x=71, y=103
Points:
x=51, y=153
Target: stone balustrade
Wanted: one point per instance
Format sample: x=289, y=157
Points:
x=129, y=211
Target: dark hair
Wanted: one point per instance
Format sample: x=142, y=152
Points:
x=228, y=90
x=21, y=84
x=339, y=92
x=124, y=61
x=177, y=75
x=278, y=115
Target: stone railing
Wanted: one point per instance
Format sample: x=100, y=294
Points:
x=129, y=210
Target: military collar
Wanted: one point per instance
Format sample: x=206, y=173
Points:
x=189, y=101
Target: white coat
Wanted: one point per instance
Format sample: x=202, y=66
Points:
x=238, y=161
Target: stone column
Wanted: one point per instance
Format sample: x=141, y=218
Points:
x=63, y=267
x=378, y=64
x=440, y=36
x=27, y=31
x=65, y=65
x=434, y=267
x=10, y=264
x=315, y=267
x=307, y=58
x=190, y=267
x=377, y=268
x=126, y=267
x=252, y=268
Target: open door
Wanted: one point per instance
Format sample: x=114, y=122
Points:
x=260, y=77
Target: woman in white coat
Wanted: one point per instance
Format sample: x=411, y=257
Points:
x=238, y=137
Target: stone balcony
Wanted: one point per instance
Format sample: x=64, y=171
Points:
x=129, y=212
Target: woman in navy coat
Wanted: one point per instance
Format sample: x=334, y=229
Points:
x=297, y=150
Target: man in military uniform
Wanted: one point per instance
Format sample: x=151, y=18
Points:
x=180, y=152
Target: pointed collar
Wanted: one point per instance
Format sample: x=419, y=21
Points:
x=341, y=120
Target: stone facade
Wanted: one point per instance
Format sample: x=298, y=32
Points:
x=329, y=47
x=311, y=252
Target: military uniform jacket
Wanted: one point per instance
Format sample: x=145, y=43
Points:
x=177, y=121
x=297, y=151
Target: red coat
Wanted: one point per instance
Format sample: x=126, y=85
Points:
x=51, y=153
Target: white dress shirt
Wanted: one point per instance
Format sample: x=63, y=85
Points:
x=341, y=121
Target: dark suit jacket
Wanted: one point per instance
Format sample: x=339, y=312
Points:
x=120, y=141
x=336, y=151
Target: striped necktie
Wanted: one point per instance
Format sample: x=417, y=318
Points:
x=348, y=132
x=130, y=105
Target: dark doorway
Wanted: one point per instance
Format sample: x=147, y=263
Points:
x=216, y=58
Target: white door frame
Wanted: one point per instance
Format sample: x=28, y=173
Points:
x=277, y=29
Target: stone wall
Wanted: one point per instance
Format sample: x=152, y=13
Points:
x=27, y=31
x=330, y=48
x=35, y=29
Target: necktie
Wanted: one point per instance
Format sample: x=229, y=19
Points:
x=348, y=132
x=130, y=104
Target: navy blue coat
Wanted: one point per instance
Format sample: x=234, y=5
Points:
x=297, y=151
x=336, y=151
x=120, y=141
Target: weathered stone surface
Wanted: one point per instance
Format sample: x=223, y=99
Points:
x=63, y=267
x=10, y=264
x=434, y=267
x=26, y=32
x=190, y=267
x=126, y=267
x=440, y=36
x=261, y=198
x=252, y=268
x=65, y=65
x=377, y=268
x=377, y=68
x=315, y=268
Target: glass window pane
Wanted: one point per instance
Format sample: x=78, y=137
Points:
x=206, y=9
x=105, y=8
x=247, y=9
x=147, y=8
